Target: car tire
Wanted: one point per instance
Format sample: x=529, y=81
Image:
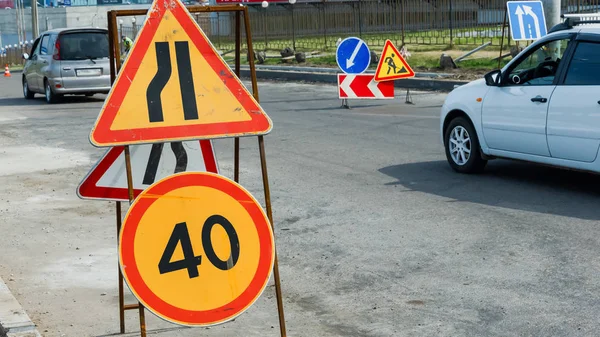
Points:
x=26, y=92
x=462, y=147
x=51, y=97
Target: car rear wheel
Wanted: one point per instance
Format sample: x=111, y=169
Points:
x=462, y=147
x=51, y=97
x=26, y=92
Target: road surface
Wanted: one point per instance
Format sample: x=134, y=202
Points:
x=376, y=235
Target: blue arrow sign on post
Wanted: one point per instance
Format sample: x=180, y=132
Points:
x=353, y=56
x=526, y=20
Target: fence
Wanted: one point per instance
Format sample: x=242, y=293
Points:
x=318, y=26
x=13, y=55
x=424, y=22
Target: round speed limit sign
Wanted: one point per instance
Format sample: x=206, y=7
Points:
x=196, y=249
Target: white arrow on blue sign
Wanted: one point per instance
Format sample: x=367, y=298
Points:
x=526, y=20
x=353, y=56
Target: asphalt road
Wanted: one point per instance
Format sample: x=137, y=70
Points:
x=376, y=235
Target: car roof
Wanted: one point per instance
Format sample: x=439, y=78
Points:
x=591, y=28
x=580, y=23
x=82, y=29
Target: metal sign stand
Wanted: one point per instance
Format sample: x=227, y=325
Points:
x=408, y=97
x=345, y=103
x=115, y=66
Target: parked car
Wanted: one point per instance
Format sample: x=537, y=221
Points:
x=543, y=106
x=67, y=61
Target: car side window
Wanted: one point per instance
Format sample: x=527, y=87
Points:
x=35, y=50
x=51, y=42
x=584, y=68
x=44, y=45
x=540, y=67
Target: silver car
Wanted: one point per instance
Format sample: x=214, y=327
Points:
x=67, y=61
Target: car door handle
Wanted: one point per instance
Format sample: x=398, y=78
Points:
x=539, y=99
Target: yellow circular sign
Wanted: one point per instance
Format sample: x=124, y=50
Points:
x=196, y=248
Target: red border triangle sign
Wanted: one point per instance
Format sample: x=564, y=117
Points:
x=396, y=63
x=174, y=86
x=107, y=180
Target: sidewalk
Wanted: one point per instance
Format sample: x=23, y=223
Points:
x=14, y=321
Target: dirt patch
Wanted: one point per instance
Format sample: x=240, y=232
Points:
x=461, y=74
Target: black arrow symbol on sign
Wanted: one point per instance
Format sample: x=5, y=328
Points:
x=163, y=74
x=181, y=161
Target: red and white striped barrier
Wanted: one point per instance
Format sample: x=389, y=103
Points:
x=363, y=86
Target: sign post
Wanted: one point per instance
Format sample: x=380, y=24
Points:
x=353, y=57
x=168, y=51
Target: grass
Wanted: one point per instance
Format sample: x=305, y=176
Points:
x=419, y=61
x=421, y=40
x=425, y=48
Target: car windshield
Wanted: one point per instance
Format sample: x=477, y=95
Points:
x=84, y=45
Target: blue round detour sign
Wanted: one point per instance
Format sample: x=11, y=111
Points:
x=353, y=56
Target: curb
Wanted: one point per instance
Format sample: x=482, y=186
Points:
x=331, y=70
x=14, y=321
x=421, y=81
x=331, y=78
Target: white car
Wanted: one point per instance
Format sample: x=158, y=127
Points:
x=543, y=106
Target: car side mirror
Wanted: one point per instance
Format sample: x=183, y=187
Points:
x=492, y=78
x=25, y=56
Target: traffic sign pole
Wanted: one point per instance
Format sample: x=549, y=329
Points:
x=265, y=176
x=236, y=142
x=115, y=63
x=263, y=164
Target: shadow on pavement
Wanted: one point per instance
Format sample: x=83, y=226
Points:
x=148, y=332
x=356, y=107
x=507, y=184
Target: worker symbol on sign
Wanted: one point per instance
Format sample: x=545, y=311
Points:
x=392, y=65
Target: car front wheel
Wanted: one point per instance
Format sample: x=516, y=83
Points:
x=462, y=147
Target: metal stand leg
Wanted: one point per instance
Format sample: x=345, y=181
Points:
x=408, y=97
x=345, y=104
x=263, y=163
x=139, y=306
x=121, y=298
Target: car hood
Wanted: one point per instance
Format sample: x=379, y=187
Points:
x=465, y=96
x=471, y=84
x=476, y=87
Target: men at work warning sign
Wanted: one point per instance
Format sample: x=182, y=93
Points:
x=391, y=65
